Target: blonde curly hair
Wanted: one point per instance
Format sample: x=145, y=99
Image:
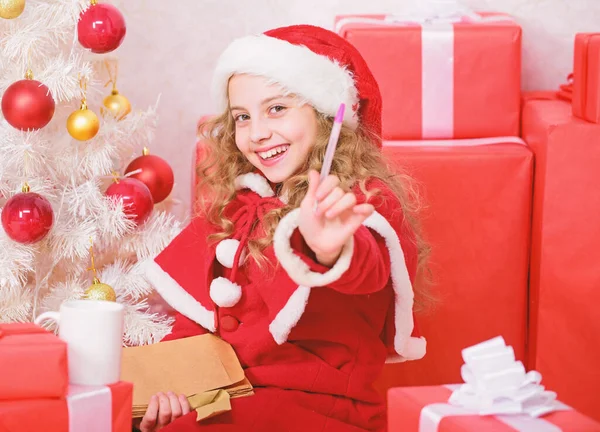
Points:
x=357, y=159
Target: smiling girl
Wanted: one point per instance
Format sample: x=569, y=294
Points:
x=310, y=281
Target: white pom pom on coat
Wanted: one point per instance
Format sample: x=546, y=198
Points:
x=224, y=292
x=226, y=250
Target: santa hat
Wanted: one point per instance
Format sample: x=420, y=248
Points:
x=314, y=63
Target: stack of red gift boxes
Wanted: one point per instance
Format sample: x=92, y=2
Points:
x=490, y=161
x=35, y=394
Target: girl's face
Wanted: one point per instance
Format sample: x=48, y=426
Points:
x=274, y=132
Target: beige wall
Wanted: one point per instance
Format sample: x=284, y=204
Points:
x=171, y=47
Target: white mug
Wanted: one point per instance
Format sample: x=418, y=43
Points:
x=93, y=331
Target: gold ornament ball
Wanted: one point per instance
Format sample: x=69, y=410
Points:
x=100, y=291
x=83, y=124
x=10, y=9
x=117, y=105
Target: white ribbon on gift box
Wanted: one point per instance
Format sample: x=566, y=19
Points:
x=90, y=408
x=437, y=56
x=496, y=384
x=432, y=415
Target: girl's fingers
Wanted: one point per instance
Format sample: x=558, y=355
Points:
x=326, y=186
x=365, y=209
x=176, y=410
x=346, y=202
x=328, y=201
x=164, y=410
x=185, y=405
x=148, y=422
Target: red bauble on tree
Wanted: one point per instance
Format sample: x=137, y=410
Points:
x=27, y=217
x=137, y=199
x=154, y=172
x=101, y=28
x=28, y=104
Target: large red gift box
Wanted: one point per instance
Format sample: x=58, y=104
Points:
x=442, y=80
x=476, y=217
x=565, y=274
x=586, y=77
x=425, y=409
x=89, y=409
x=33, y=363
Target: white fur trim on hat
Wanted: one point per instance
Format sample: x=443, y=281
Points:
x=316, y=78
x=224, y=292
x=177, y=297
x=297, y=269
x=226, y=250
x=408, y=347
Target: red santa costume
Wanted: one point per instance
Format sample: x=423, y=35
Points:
x=311, y=339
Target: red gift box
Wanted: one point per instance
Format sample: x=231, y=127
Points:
x=476, y=217
x=425, y=409
x=89, y=409
x=442, y=80
x=33, y=363
x=565, y=276
x=586, y=77
x=478, y=200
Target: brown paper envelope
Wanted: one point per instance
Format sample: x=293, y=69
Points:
x=185, y=366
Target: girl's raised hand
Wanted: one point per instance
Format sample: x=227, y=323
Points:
x=329, y=217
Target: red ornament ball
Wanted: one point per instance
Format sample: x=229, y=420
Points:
x=28, y=104
x=137, y=199
x=27, y=217
x=155, y=173
x=101, y=28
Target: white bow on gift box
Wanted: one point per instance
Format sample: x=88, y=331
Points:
x=435, y=11
x=426, y=12
x=495, y=383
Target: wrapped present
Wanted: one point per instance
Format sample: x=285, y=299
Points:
x=498, y=395
x=33, y=363
x=477, y=214
x=564, y=329
x=451, y=76
x=86, y=408
x=586, y=77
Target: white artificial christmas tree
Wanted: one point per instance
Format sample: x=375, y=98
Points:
x=41, y=42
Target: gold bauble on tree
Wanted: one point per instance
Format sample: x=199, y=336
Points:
x=83, y=124
x=116, y=105
x=11, y=9
x=100, y=291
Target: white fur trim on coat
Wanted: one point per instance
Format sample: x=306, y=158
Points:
x=256, y=183
x=408, y=347
x=321, y=81
x=297, y=269
x=177, y=297
x=225, y=252
x=289, y=315
x=224, y=292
